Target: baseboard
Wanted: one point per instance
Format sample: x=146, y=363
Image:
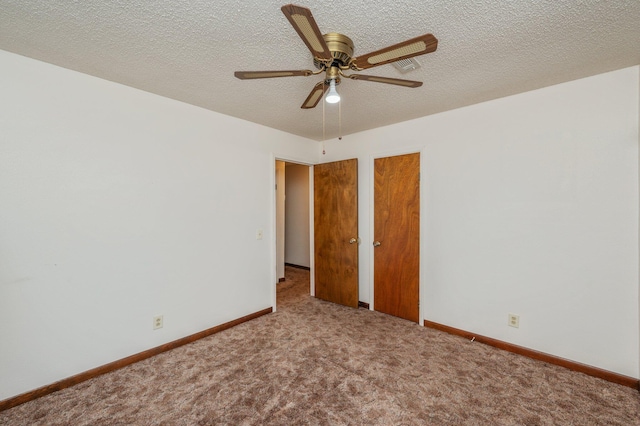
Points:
x=541, y=356
x=112, y=366
x=298, y=266
x=363, y=305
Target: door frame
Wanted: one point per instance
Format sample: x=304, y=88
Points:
x=421, y=284
x=273, y=224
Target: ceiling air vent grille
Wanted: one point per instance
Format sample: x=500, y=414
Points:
x=406, y=65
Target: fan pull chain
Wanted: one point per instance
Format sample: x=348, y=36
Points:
x=323, y=125
x=340, y=121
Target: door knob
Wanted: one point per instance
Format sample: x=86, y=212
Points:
x=376, y=243
x=353, y=240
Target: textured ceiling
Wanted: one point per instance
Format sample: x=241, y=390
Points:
x=188, y=50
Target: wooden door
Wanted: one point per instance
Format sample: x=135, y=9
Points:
x=397, y=236
x=335, y=215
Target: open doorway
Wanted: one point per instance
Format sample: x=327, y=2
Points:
x=297, y=248
x=293, y=220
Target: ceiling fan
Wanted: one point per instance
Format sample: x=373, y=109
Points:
x=333, y=54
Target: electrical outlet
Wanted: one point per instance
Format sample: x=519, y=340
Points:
x=259, y=234
x=514, y=321
x=157, y=322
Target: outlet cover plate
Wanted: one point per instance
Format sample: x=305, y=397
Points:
x=157, y=322
x=514, y=321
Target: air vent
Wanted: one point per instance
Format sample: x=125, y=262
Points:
x=406, y=65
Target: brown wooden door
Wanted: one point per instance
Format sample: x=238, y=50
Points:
x=335, y=215
x=397, y=236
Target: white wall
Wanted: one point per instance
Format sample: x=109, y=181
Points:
x=297, y=215
x=530, y=206
x=117, y=205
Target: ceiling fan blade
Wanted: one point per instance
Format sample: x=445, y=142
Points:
x=396, y=81
x=302, y=20
x=407, y=49
x=248, y=75
x=315, y=96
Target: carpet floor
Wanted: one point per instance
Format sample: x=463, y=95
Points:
x=318, y=363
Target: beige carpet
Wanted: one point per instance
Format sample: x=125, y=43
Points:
x=318, y=363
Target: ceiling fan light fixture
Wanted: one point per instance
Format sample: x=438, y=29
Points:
x=332, y=96
x=333, y=52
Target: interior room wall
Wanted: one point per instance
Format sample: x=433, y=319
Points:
x=297, y=250
x=530, y=207
x=116, y=206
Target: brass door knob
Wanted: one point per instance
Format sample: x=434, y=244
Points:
x=376, y=243
x=353, y=240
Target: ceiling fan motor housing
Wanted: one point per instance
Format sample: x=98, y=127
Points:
x=341, y=48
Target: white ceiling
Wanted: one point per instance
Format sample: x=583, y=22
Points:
x=188, y=50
